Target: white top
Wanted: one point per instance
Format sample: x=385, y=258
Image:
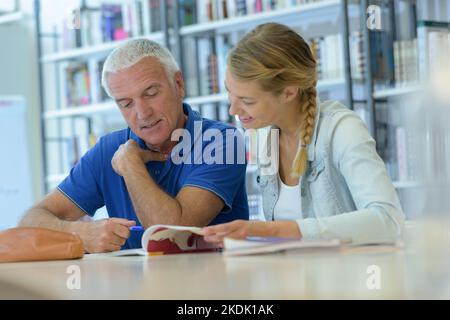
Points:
x=289, y=203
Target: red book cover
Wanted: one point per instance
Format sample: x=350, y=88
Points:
x=167, y=239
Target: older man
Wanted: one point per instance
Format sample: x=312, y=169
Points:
x=131, y=170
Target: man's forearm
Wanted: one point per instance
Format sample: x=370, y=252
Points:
x=40, y=217
x=151, y=204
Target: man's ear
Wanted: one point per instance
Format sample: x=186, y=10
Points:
x=289, y=93
x=179, y=82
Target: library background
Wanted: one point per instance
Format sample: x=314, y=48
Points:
x=374, y=56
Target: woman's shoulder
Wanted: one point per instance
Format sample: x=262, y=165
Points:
x=335, y=112
x=340, y=125
x=332, y=108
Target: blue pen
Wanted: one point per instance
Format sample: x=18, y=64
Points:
x=137, y=228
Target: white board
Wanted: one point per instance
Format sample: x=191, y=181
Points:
x=16, y=190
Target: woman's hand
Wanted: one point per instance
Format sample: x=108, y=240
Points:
x=240, y=229
x=237, y=229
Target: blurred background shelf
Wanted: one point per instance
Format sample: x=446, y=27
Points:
x=395, y=92
x=86, y=52
x=11, y=17
x=299, y=11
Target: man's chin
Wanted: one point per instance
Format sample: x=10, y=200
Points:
x=155, y=143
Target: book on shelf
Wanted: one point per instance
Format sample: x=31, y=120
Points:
x=241, y=8
x=223, y=45
x=204, y=49
x=357, y=57
x=155, y=15
x=77, y=146
x=396, y=144
x=187, y=12
x=406, y=63
x=191, y=79
x=78, y=84
x=82, y=83
x=382, y=58
x=207, y=66
x=213, y=78
x=115, y=24
x=109, y=22
x=317, y=54
x=205, y=75
x=90, y=29
x=70, y=37
x=162, y=239
x=433, y=40
x=267, y=245
x=327, y=50
x=214, y=10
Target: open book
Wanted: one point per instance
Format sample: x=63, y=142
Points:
x=262, y=245
x=167, y=239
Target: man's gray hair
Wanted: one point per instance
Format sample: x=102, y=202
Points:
x=131, y=52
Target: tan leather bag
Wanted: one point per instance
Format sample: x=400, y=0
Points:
x=38, y=244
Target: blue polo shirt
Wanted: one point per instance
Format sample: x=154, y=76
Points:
x=93, y=183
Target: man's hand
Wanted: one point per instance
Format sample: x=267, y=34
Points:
x=105, y=235
x=130, y=154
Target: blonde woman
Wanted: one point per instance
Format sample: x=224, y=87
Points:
x=331, y=183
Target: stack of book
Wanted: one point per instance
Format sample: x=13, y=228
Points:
x=328, y=52
x=406, y=63
x=212, y=10
x=357, y=58
x=77, y=146
x=396, y=143
x=108, y=22
x=208, y=67
x=382, y=58
x=433, y=39
x=82, y=83
x=78, y=84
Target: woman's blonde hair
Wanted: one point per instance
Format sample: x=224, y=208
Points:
x=277, y=57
